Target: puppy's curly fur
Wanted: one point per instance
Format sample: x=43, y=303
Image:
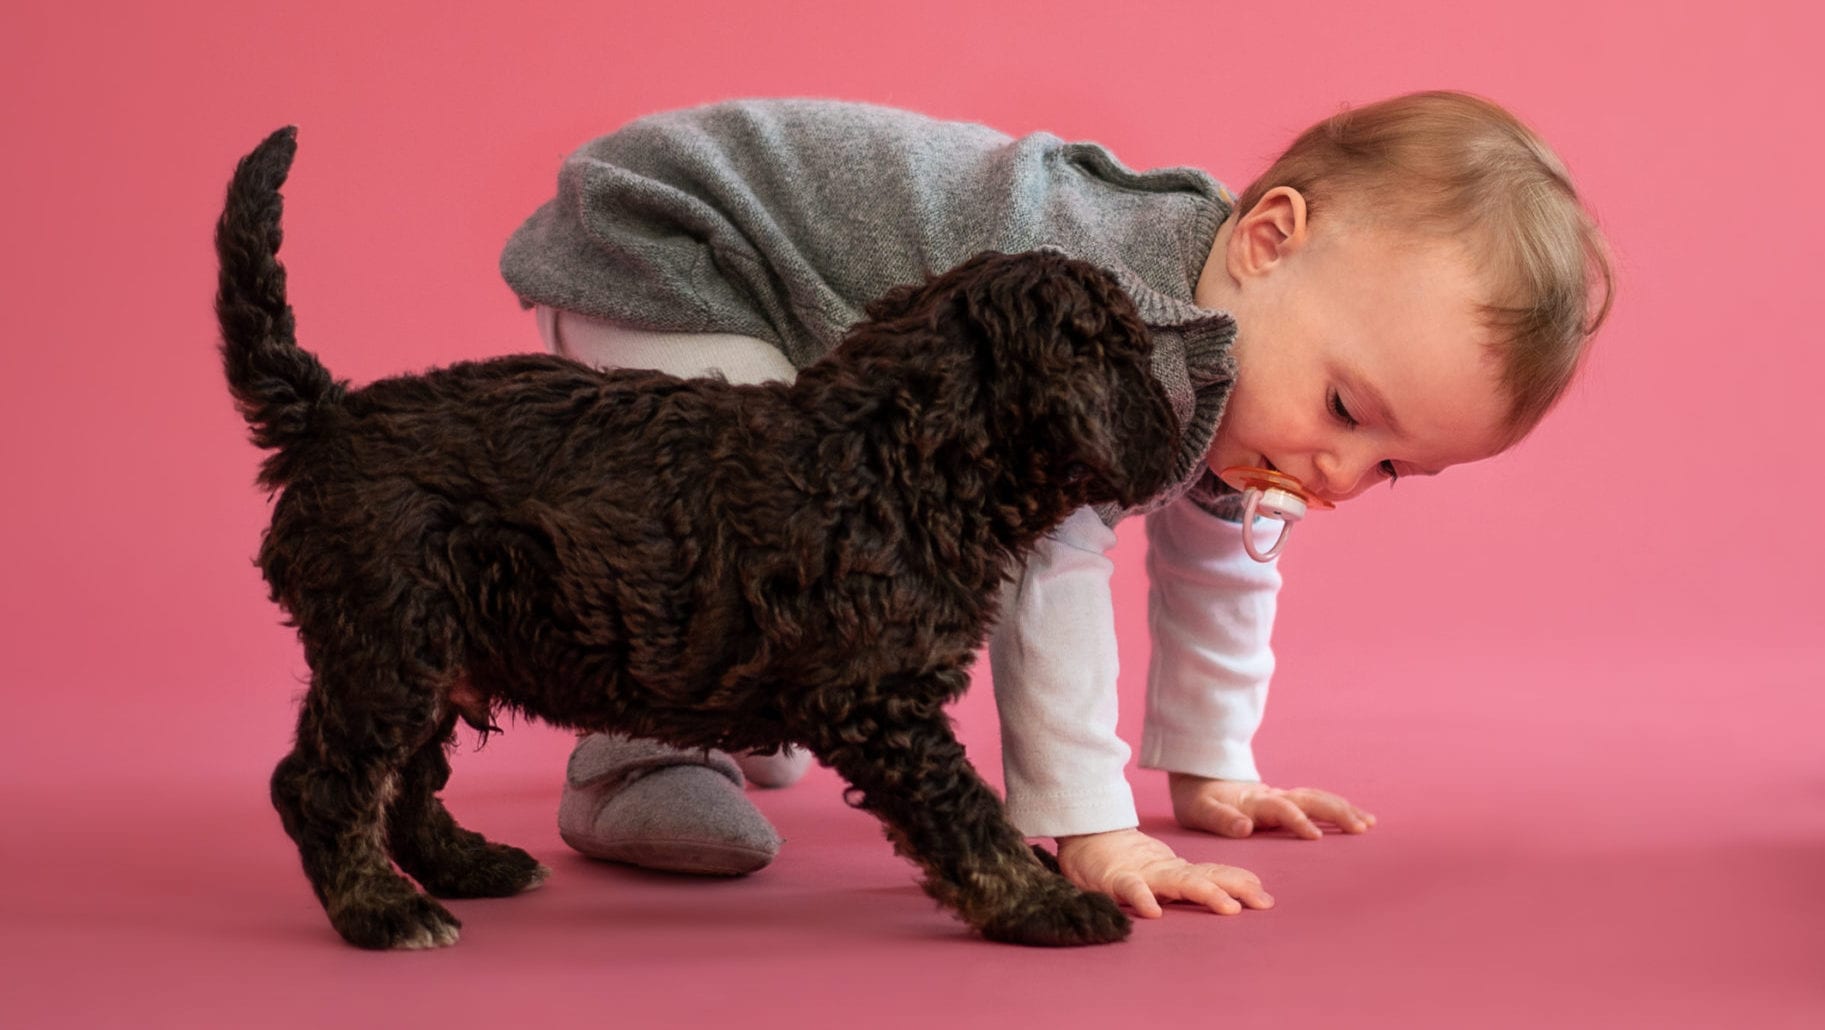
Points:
x=706, y=564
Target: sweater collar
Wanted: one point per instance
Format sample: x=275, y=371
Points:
x=1205, y=335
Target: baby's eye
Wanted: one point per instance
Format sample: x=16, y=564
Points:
x=1340, y=411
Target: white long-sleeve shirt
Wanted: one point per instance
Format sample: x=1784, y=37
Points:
x=1054, y=662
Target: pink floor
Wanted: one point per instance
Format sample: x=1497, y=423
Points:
x=1582, y=686
x=1535, y=865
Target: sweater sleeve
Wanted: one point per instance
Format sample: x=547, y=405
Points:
x=1054, y=664
x=1211, y=612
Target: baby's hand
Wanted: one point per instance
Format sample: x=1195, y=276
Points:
x=1234, y=809
x=1133, y=868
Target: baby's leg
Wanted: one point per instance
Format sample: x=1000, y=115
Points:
x=693, y=818
x=740, y=359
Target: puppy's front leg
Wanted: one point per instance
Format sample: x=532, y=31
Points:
x=908, y=769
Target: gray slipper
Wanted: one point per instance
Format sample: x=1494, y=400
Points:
x=658, y=807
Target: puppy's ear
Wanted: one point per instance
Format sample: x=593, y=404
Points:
x=1048, y=309
x=1123, y=430
x=1067, y=347
x=1146, y=432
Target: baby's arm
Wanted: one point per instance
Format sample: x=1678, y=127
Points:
x=1054, y=662
x=1211, y=611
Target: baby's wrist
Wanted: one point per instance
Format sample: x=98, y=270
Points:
x=1080, y=838
x=1178, y=781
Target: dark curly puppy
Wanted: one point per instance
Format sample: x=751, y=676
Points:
x=706, y=564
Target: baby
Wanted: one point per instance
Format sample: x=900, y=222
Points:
x=1410, y=286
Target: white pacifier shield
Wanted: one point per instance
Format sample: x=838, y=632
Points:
x=1278, y=504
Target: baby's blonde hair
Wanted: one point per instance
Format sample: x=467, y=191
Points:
x=1456, y=165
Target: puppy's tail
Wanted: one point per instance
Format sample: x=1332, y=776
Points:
x=277, y=385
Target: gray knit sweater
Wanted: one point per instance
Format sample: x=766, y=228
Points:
x=780, y=219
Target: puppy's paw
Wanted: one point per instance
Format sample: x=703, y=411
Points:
x=487, y=870
x=1060, y=916
x=409, y=921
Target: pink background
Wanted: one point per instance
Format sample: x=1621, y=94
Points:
x=1579, y=684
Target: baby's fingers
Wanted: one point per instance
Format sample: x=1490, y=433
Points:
x=1322, y=804
x=1212, y=816
x=1282, y=810
x=1194, y=886
x=1131, y=889
x=1238, y=883
x=1223, y=889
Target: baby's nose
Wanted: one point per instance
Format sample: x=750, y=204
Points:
x=1340, y=481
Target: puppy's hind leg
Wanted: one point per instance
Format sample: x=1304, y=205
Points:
x=332, y=791
x=447, y=860
x=908, y=769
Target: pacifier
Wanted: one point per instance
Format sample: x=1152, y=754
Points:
x=1270, y=494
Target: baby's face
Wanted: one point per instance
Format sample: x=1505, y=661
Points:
x=1359, y=355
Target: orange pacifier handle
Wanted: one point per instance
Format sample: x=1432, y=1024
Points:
x=1275, y=495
